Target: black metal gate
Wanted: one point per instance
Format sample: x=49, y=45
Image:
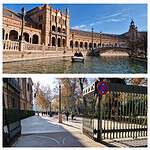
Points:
x=121, y=113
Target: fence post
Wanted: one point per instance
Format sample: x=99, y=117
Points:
x=99, y=128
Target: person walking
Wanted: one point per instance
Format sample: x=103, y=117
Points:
x=72, y=115
x=67, y=115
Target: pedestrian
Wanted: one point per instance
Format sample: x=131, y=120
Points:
x=67, y=115
x=72, y=116
x=76, y=54
x=80, y=54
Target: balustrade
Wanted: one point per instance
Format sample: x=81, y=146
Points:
x=14, y=46
x=10, y=45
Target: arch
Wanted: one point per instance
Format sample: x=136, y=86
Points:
x=81, y=44
x=94, y=45
x=64, y=42
x=59, y=42
x=116, y=44
x=90, y=45
x=76, y=43
x=71, y=44
x=13, y=35
x=64, y=30
x=53, y=28
x=26, y=36
x=53, y=41
x=59, y=29
x=35, y=39
x=85, y=45
x=3, y=34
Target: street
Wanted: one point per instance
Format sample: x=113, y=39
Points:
x=44, y=131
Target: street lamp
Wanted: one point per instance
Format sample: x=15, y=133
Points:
x=22, y=25
x=100, y=38
x=50, y=109
x=92, y=39
x=72, y=41
x=59, y=114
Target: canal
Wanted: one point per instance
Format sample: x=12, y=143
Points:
x=101, y=64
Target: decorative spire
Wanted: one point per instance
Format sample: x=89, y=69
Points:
x=132, y=22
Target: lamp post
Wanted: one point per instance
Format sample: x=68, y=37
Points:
x=92, y=39
x=99, y=125
x=59, y=114
x=72, y=41
x=50, y=108
x=22, y=25
x=100, y=38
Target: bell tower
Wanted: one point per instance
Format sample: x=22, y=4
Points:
x=133, y=31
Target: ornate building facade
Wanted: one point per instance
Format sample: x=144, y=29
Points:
x=46, y=26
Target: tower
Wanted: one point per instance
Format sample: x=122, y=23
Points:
x=133, y=31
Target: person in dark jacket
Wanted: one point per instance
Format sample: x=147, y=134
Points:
x=76, y=54
x=67, y=115
x=80, y=54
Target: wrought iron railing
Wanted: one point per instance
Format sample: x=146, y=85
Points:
x=123, y=112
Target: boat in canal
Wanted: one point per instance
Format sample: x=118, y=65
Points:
x=77, y=59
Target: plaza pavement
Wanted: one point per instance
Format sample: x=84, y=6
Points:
x=43, y=131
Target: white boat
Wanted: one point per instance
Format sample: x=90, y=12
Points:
x=77, y=59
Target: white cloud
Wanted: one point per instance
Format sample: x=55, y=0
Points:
x=82, y=27
x=116, y=20
x=116, y=17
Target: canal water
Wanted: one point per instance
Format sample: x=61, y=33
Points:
x=64, y=65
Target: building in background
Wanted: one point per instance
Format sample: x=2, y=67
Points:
x=26, y=97
x=11, y=93
x=17, y=93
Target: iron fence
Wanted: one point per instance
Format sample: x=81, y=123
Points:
x=121, y=113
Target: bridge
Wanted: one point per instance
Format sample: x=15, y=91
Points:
x=121, y=113
x=99, y=50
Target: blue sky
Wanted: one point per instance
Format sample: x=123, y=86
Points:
x=107, y=18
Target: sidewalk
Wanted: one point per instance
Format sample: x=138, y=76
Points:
x=38, y=131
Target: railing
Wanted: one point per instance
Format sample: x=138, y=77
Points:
x=10, y=45
x=123, y=112
x=14, y=46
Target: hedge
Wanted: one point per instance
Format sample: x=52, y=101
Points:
x=12, y=115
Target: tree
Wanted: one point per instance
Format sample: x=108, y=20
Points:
x=43, y=96
x=71, y=94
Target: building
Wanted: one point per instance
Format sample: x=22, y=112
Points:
x=26, y=95
x=17, y=93
x=49, y=27
x=11, y=93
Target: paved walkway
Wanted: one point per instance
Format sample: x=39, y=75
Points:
x=45, y=131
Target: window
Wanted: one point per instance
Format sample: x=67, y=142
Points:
x=40, y=17
x=13, y=102
x=53, y=28
x=28, y=86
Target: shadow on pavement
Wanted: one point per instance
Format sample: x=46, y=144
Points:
x=61, y=138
